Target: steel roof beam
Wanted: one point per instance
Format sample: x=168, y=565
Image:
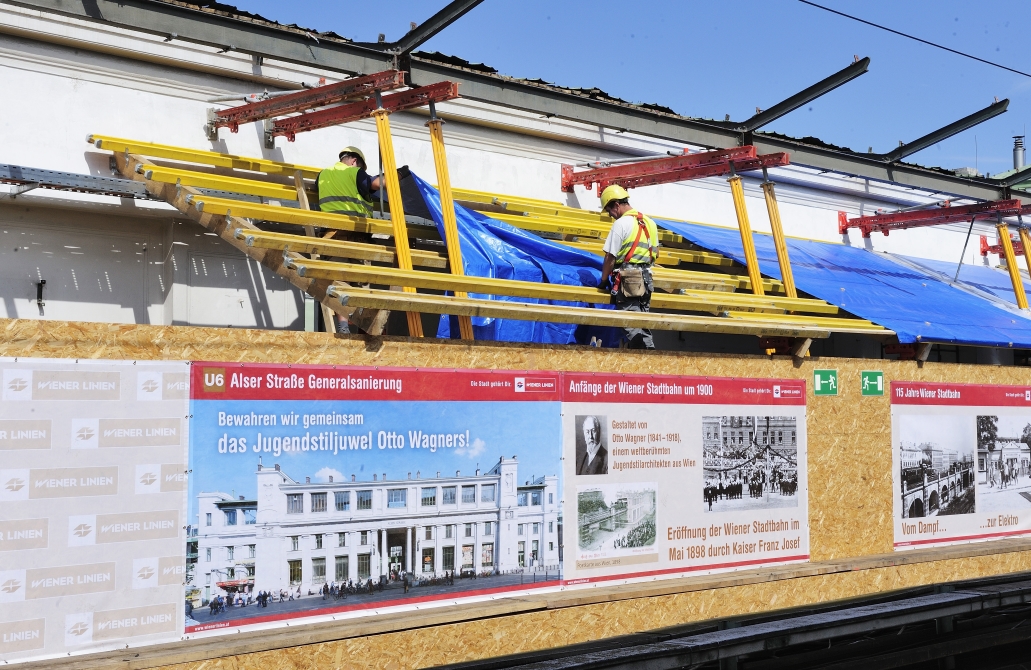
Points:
x=335, y=56
x=214, y=30
x=967, y=122
x=430, y=27
x=625, y=118
x=804, y=97
x=1017, y=177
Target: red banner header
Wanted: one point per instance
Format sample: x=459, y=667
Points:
x=255, y=381
x=971, y=395
x=603, y=387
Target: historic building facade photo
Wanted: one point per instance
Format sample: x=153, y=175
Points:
x=307, y=534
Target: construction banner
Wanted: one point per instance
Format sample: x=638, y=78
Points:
x=671, y=476
x=93, y=491
x=148, y=501
x=321, y=490
x=962, y=462
x=318, y=491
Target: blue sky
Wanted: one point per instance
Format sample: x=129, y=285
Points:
x=708, y=59
x=530, y=430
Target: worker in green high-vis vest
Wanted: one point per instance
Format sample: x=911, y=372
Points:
x=346, y=188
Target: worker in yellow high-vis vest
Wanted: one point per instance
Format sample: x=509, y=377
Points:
x=630, y=251
x=346, y=188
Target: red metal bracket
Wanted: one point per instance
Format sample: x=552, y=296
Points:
x=842, y=223
x=673, y=169
x=1018, y=247
x=713, y=170
x=885, y=223
x=354, y=111
x=320, y=96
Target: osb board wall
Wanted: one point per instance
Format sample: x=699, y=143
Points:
x=850, y=490
x=484, y=638
x=849, y=441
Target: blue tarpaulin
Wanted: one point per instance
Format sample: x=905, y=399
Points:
x=917, y=305
x=492, y=248
x=980, y=277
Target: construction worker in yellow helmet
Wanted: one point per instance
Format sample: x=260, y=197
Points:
x=346, y=188
x=630, y=251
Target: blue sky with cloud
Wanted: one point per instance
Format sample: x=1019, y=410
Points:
x=531, y=431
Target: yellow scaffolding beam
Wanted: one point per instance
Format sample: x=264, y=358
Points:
x=397, y=213
x=335, y=248
x=832, y=323
x=447, y=209
x=436, y=304
x=1025, y=241
x=167, y=175
x=1011, y=265
x=121, y=145
x=699, y=301
x=567, y=226
x=667, y=255
x=778, y=238
x=751, y=262
x=300, y=217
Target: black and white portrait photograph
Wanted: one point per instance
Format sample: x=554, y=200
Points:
x=592, y=455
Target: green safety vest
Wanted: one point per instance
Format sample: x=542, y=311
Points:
x=641, y=246
x=338, y=191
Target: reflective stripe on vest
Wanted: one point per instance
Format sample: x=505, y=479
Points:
x=647, y=249
x=338, y=191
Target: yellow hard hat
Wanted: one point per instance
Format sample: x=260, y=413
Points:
x=353, y=150
x=613, y=192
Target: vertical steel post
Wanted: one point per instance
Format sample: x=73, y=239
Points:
x=447, y=209
x=747, y=243
x=1011, y=265
x=397, y=212
x=778, y=237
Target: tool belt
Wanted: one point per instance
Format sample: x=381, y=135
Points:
x=629, y=281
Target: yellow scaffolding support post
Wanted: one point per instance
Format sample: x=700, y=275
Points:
x=1011, y=265
x=751, y=262
x=778, y=237
x=447, y=209
x=397, y=212
x=1025, y=241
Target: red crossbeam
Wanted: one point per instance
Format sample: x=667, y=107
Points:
x=624, y=175
x=354, y=111
x=884, y=223
x=320, y=96
x=1018, y=247
x=711, y=170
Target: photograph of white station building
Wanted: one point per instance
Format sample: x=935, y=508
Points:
x=307, y=534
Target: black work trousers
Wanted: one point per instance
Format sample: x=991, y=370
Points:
x=636, y=338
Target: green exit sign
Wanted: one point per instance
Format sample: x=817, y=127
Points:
x=873, y=382
x=825, y=382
